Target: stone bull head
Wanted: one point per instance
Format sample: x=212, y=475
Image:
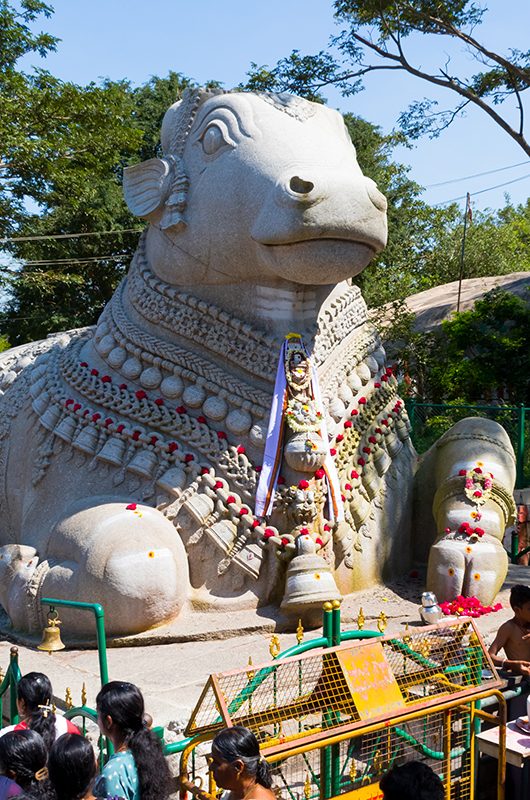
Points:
x=256, y=188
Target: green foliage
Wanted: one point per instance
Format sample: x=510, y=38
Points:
x=480, y=355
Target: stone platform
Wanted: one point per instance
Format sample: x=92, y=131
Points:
x=172, y=675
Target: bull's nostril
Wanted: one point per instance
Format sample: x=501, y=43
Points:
x=300, y=186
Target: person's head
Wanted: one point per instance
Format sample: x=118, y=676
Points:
x=34, y=690
x=72, y=766
x=520, y=602
x=120, y=707
x=34, y=703
x=121, y=717
x=236, y=759
x=411, y=780
x=23, y=756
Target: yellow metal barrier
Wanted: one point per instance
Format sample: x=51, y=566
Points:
x=331, y=722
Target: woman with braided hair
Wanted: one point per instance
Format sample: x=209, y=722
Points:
x=138, y=769
x=23, y=757
x=237, y=765
x=34, y=705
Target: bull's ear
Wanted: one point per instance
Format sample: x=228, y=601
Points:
x=147, y=185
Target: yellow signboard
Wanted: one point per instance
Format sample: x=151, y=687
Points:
x=370, y=679
x=369, y=792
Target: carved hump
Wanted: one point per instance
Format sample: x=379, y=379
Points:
x=146, y=185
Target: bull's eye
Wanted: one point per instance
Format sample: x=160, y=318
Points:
x=213, y=139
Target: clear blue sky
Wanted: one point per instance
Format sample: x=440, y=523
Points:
x=204, y=39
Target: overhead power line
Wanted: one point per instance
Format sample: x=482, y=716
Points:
x=82, y=260
x=476, y=175
x=66, y=235
x=482, y=191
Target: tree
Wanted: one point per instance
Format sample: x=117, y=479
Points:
x=377, y=36
x=63, y=156
x=480, y=355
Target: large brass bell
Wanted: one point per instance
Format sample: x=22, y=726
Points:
x=51, y=635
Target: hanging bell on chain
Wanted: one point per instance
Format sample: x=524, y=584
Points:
x=51, y=635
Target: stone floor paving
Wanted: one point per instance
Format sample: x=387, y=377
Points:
x=172, y=675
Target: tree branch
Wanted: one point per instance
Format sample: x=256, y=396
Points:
x=446, y=83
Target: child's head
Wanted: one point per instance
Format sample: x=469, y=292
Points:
x=520, y=602
x=412, y=780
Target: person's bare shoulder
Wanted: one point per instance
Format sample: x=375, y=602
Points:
x=504, y=634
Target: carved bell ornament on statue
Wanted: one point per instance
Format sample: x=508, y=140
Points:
x=309, y=581
x=51, y=635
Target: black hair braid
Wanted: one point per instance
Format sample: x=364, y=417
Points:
x=36, y=691
x=263, y=773
x=153, y=772
x=43, y=723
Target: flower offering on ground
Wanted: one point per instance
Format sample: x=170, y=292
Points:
x=467, y=607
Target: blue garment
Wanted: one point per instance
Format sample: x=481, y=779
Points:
x=119, y=778
x=8, y=788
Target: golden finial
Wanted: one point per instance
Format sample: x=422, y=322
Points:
x=425, y=648
x=382, y=620
x=83, y=695
x=250, y=672
x=68, y=698
x=407, y=638
x=307, y=786
x=360, y=619
x=299, y=632
x=353, y=770
x=54, y=708
x=378, y=762
x=274, y=646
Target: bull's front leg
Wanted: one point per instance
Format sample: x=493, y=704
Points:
x=471, y=569
x=124, y=555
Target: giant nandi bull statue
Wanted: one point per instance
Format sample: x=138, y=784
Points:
x=141, y=465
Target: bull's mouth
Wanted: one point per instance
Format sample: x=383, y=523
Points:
x=310, y=238
x=318, y=260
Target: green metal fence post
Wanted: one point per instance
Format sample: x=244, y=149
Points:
x=335, y=622
x=519, y=479
x=101, y=639
x=14, y=677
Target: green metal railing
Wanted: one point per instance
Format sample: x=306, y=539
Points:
x=101, y=638
x=9, y=686
x=430, y=420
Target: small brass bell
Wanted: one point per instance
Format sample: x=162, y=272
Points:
x=51, y=636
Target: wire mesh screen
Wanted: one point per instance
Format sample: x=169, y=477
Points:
x=441, y=739
x=289, y=699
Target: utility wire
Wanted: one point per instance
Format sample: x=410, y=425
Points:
x=482, y=191
x=83, y=260
x=476, y=175
x=66, y=235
